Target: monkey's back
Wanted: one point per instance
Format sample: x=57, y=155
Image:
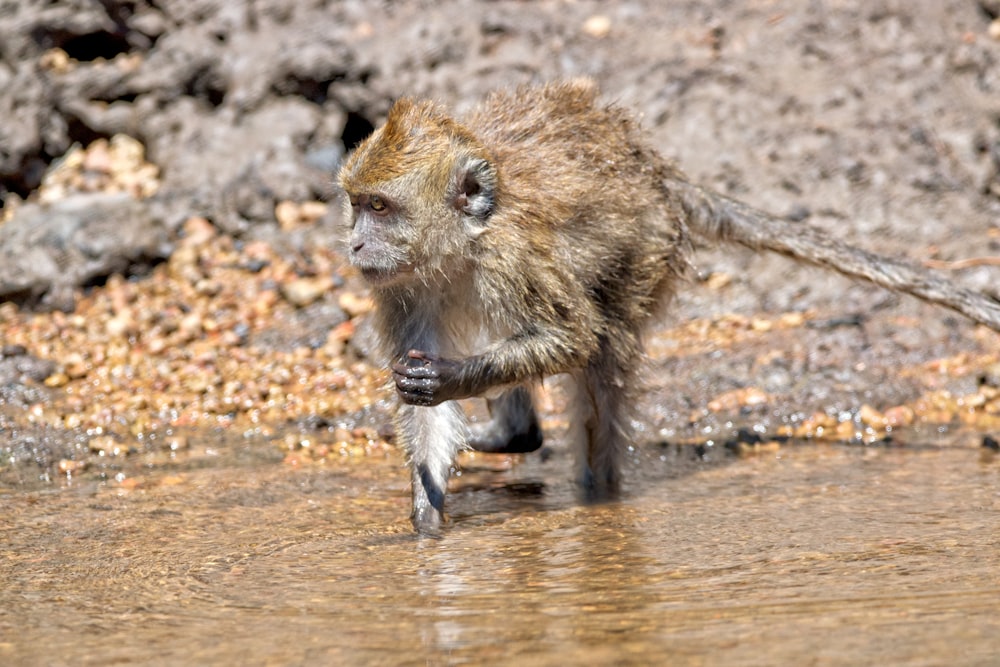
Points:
x=582, y=197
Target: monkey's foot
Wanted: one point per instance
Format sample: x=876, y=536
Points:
x=600, y=488
x=428, y=521
x=485, y=438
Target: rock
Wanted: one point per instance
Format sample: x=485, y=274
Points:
x=46, y=251
x=24, y=368
x=13, y=351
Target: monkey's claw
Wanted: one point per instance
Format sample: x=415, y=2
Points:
x=422, y=379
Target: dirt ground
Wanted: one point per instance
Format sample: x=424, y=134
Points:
x=184, y=145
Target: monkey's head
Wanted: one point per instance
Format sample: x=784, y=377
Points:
x=420, y=190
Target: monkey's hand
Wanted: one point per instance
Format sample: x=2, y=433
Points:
x=424, y=379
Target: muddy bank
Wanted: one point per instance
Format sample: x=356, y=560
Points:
x=875, y=120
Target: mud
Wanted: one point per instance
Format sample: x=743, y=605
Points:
x=876, y=120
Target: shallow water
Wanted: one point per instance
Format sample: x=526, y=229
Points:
x=811, y=554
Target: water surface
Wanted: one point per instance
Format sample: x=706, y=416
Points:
x=810, y=554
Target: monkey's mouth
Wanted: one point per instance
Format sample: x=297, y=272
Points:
x=379, y=276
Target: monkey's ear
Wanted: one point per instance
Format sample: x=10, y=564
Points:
x=475, y=183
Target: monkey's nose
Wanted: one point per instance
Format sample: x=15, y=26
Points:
x=357, y=246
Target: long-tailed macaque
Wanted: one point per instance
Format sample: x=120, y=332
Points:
x=534, y=238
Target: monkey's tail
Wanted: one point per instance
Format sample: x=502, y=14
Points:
x=717, y=217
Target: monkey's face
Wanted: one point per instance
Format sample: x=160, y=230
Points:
x=421, y=226
x=380, y=239
x=421, y=190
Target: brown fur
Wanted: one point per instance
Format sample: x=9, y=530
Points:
x=537, y=238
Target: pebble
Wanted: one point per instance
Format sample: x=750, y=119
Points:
x=57, y=380
x=738, y=398
x=304, y=291
x=872, y=417
x=197, y=232
x=176, y=443
x=900, y=415
x=70, y=467
x=291, y=215
x=104, y=444
x=597, y=26
x=355, y=304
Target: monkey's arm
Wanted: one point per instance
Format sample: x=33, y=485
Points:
x=720, y=218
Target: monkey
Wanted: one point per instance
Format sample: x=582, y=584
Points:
x=538, y=237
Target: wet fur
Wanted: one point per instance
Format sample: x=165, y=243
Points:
x=538, y=237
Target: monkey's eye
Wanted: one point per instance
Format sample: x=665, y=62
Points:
x=376, y=203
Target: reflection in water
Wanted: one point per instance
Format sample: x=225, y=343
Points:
x=536, y=593
x=842, y=555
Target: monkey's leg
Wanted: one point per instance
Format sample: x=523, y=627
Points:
x=597, y=441
x=432, y=437
x=603, y=404
x=607, y=438
x=513, y=426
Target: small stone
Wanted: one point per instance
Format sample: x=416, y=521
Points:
x=75, y=366
x=354, y=304
x=56, y=60
x=176, y=443
x=104, y=444
x=311, y=211
x=97, y=157
x=206, y=287
x=57, y=380
x=791, y=320
x=597, y=26
x=191, y=326
x=70, y=467
x=121, y=324
x=994, y=30
x=901, y=415
x=304, y=291
x=846, y=431
x=287, y=214
x=738, y=398
x=872, y=417
x=198, y=231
